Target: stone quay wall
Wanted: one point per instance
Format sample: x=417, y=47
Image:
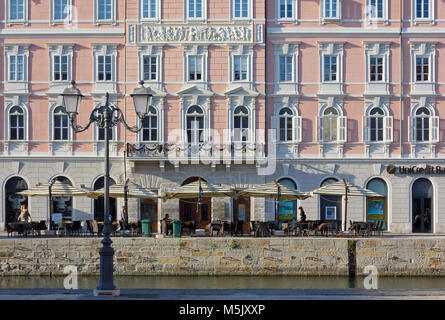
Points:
x=224, y=256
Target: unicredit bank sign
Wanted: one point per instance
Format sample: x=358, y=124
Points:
x=392, y=169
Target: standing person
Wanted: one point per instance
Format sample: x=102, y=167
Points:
x=122, y=218
x=302, y=217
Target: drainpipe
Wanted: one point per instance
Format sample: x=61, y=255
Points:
x=401, y=79
x=125, y=112
x=266, y=142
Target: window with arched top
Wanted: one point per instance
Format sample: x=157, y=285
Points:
x=150, y=126
x=16, y=123
x=241, y=124
x=331, y=126
x=424, y=126
x=60, y=124
x=377, y=125
x=195, y=125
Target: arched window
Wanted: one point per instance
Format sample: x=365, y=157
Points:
x=16, y=123
x=99, y=205
x=195, y=125
x=63, y=205
x=376, y=118
x=286, y=125
x=60, y=127
x=13, y=201
x=288, y=209
x=422, y=205
x=241, y=124
x=330, y=205
x=422, y=124
x=376, y=208
x=150, y=126
x=330, y=124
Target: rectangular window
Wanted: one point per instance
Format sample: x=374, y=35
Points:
x=422, y=9
x=16, y=68
x=240, y=68
x=60, y=68
x=17, y=9
x=375, y=9
x=195, y=68
x=286, y=9
x=149, y=129
x=376, y=69
x=241, y=8
x=104, y=68
x=330, y=68
x=194, y=9
x=422, y=69
x=61, y=9
x=150, y=68
x=376, y=129
x=285, y=68
x=105, y=9
x=331, y=8
x=149, y=9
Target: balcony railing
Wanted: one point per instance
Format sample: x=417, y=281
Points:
x=206, y=150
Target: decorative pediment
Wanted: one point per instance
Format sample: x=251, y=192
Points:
x=155, y=92
x=241, y=91
x=195, y=91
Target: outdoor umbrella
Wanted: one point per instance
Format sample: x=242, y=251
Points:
x=54, y=189
x=274, y=190
x=125, y=190
x=343, y=188
x=198, y=189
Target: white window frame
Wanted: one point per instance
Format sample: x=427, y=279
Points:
x=341, y=134
x=203, y=11
x=248, y=130
x=142, y=77
x=292, y=18
x=151, y=51
x=330, y=64
x=157, y=16
x=25, y=122
x=286, y=65
x=243, y=61
x=433, y=123
x=423, y=49
x=369, y=12
x=10, y=21
x=158, y=129
x=104, y=64
x=241, y=50
x=15, y=66
x=249, y=10
x=16, y=50
x=296, y=125
x=370, y=57
x=111, y=20
x=336, y=18
x=196, y=50
x=195, y=130
x=429, y=59
x=387, y=125
x=53, y=125
x=286, y=49
x=67, y=20
x=100, y=49
x=429, y=19
x=198, y=60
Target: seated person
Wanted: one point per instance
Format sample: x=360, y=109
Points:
x=302, y=217
x=24, y=216
x=166, y=225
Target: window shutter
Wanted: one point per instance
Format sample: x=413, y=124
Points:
x=320, y=129
x=296, y=126
x=434, y=128
x=388, y=129
x=342, y=129
x=365, y=124
x=412, y=130
x=275, y=126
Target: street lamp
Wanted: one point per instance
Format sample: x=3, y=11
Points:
x=106, y=116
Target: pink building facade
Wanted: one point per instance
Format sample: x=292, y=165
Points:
x=244, y=91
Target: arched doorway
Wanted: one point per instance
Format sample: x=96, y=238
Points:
x=99, y=203
x=422, y=205
x=63, y=205
x=188, y=208
x=12, y=200
x=376, y=207
x=330, y=206
x=288, y=209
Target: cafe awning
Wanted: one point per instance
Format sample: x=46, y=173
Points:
x=131, y=190
x=199, y=188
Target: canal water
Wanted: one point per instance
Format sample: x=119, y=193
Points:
x=224, y=282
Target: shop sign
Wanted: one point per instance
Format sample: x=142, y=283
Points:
x=392, y=169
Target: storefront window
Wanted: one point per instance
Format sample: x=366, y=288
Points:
x=330, y=206
x=288, y=209
x=63, y=205
x=13, y=201
x=422, y=209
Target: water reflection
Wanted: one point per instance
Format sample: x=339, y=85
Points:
x=226, y=282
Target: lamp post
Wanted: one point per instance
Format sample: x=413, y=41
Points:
x=106, y=116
